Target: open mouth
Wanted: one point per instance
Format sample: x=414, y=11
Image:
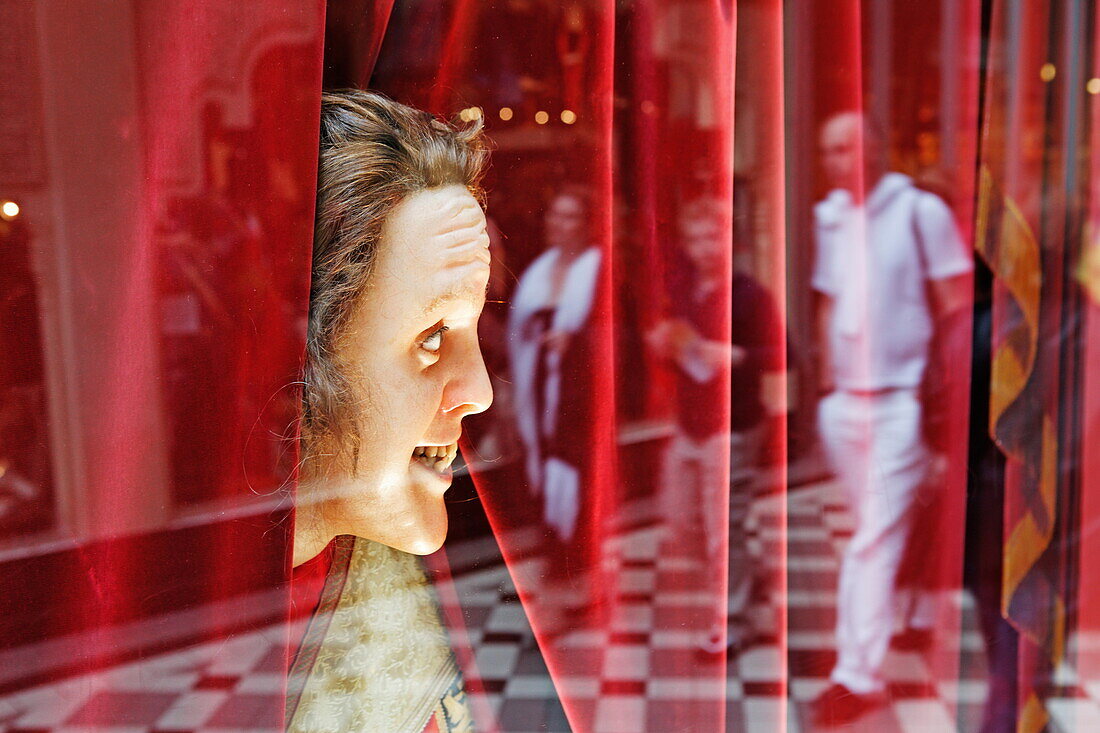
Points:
x=436, y=457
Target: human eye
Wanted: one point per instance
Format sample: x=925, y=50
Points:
x=434, y=341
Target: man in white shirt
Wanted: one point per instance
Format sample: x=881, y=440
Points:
x=889, y=264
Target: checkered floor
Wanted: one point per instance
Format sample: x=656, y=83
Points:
x=817, y=529
x=234, y=684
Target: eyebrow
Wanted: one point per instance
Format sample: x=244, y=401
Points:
x=459, y=293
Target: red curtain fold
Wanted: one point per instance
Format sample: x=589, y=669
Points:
x=164, y=184
x=649, y=471
x=1088, y=275
x=1032, y=232
x=626, y=111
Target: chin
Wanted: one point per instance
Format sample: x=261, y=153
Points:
x=424, y=536
x=425, y=545
x=427, y=540
x=416, y=522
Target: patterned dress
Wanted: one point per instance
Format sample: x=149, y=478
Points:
x=375, y=656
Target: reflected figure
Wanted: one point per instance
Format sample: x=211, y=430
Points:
x=400, y=269
x=756, y=335
x=889, y=265
x=549, y=343
x=26, y=482
x=199, y=341
x=692, y=340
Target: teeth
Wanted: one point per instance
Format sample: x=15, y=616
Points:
x=446, y=455
x=436, y=457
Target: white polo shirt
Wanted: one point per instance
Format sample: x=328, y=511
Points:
x=867, y=261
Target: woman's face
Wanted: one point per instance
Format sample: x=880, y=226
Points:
x=565, y=223
x=412, y=351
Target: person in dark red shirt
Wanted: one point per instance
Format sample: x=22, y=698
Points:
x=702, y=355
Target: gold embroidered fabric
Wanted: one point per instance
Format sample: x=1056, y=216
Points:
x=384, y=662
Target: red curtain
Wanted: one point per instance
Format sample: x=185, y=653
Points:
x=673, y=532
x=158, y=171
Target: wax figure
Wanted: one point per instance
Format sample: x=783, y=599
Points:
x=889, y=263
x=400, y=268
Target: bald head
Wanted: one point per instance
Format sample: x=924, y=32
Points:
x=851, y=152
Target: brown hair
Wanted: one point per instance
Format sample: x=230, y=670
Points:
x=374, y=153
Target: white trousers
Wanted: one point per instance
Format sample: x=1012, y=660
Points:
x=694, y=488
x=693, y=495
x=874, y=444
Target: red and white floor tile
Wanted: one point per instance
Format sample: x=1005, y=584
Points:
x=233, y=685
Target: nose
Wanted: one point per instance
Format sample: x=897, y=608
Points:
x=469, y=390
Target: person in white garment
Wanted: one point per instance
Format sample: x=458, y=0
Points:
x=550, y=312
x=889, y=264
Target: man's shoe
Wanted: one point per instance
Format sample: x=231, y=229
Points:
x=711, y=647
x=839, y=705
x=912, y=640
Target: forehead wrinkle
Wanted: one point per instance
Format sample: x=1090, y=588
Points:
x=467, y=250
x=476, y=234
x=466, y=217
